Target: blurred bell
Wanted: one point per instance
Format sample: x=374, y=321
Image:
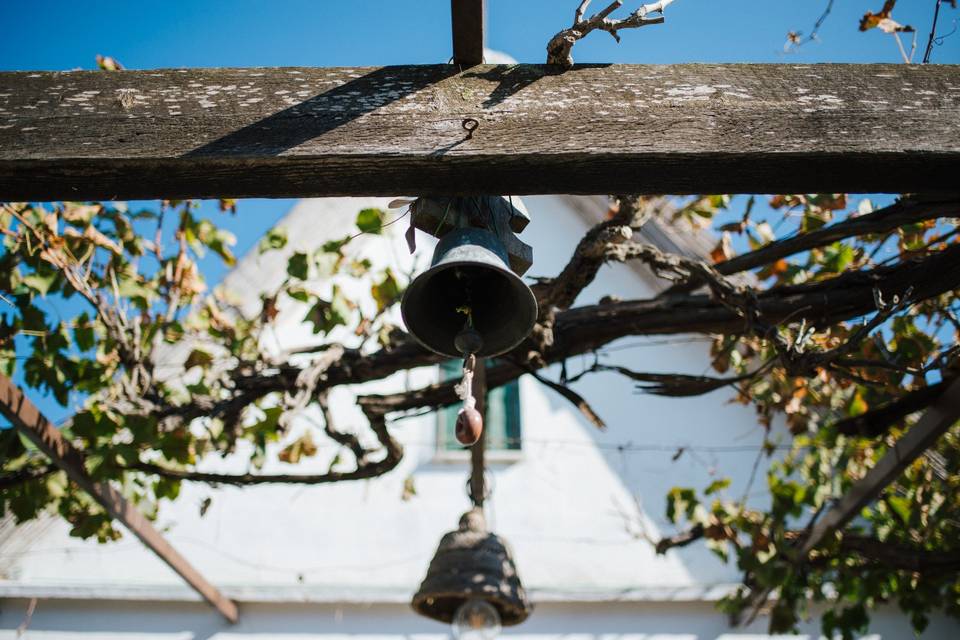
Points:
x=471, y=569
x=469, y=271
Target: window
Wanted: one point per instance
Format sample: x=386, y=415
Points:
x=502, y=420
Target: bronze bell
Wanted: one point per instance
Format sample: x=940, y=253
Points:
x=469, y=284
x=472, y=563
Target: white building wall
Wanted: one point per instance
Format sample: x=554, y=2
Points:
x=119, y=620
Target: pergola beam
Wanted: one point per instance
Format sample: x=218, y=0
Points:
x=28, y=420
x=941, y=415
x=594, y=129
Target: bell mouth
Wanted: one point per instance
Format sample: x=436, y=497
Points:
x=469, y=271
x=443, y=607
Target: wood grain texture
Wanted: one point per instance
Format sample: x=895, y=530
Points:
x=27, y=419
x=398, y=130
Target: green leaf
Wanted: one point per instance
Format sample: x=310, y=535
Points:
x=359, y=268
x=900, y=506
x=334, y=246
x=857, y=405
x=386, y=292
x=717, y=485
x=166, y=488
x=326, y=315
x=370, y=220
x=131, y=287
x=681, y=501
x=198, y=358
x=299, y=293
x=837, y=257
x=276, y=238
x=298, y=266
x=302, y=447
x=812, y=221
x=220, y=243
x=40, y=282
x=83, y=332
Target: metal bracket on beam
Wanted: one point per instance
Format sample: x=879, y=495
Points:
x=508, y=216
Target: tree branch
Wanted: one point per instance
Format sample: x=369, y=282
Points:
x=24, y=475
x=905, y=211
x=586, y=329
x=681, y=539
x=560, y=46
x=822, y=303
x=876, y=422
x=364, y=470
x=889, y=554
x=597, y=247
x=680, y=385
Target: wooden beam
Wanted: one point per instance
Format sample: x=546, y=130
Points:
x=27, y=419
x=594, y=129
x=941, y=415
x=468, y=20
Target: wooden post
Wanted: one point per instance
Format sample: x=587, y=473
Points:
x=478, y=465
x=468, y=18
x=941, y=415
x=27, y=419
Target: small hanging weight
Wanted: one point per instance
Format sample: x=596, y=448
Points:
x=469, y=426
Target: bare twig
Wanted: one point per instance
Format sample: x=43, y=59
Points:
x=560, y=46
x=365, y=469
x=795, y=39
x=681, y=539
x=678, y=384
x=575, y=398
x=933, y=32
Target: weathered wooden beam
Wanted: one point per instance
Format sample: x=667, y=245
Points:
x=399, y=130
x=27, y=419
x=941, y=415
x=468, y=21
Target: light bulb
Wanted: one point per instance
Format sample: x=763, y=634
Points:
x=476, y=619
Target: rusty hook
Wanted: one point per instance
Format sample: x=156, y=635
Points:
x=470, y=125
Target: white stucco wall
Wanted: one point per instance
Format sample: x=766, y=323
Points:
x=111, y=620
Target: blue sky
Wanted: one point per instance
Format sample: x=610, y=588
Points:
x=45, y=34
x=61, y=35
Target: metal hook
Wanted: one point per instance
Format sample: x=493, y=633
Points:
x=470, y=125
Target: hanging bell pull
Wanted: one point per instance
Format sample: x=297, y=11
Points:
x=469, y=425
x=469, y=274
